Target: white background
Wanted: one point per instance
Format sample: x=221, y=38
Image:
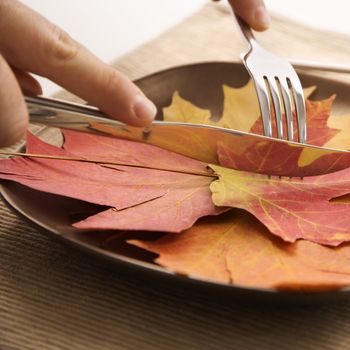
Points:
x=133, y=22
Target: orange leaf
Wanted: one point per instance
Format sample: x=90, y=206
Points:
x=235, y=248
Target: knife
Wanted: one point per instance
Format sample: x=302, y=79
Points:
x=320, y=66
x=210, y=144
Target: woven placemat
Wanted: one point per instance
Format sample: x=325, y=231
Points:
x=53, y=296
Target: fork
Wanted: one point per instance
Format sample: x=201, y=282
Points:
x=277, y=86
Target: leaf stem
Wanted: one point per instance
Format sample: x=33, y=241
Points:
x=76, y=159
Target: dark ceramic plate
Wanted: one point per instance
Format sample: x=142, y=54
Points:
x=201, y=84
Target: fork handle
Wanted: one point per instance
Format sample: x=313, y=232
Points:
x=246, y=31
x=248, y=35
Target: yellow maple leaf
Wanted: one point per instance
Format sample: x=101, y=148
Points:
x=341, y=140
x=241, y=109
x=184, y=111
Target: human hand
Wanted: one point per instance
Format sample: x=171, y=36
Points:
x=31, y=44
x=253, y=12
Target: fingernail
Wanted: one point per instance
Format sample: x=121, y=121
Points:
x=262, y=17
x=144, y=108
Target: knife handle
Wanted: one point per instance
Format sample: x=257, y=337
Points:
x=315, y=65
x=38, y=105
x=65, y=114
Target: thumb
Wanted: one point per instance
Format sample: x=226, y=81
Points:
x=13, y=111
x=253, y=12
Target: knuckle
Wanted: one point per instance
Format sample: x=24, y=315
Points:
x=112, y=79
x=117, y=82
x=14, y=133
x=59, y=48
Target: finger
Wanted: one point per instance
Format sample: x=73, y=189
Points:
x=27, y=83
x=253, y=12
x=13, y=111
x=48, y=51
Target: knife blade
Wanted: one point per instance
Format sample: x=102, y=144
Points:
x=210, y=144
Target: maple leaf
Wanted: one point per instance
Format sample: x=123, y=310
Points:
x=289, y=208
x=140, y=198
x=317, y=114
x=341, y=140
x=241, y=109
x=184, y=111
x=130, y=152
x=84, y=181
x=241, y=112
x=297, y=161
x=187, y=195
x=265, y=157
x=236, y=248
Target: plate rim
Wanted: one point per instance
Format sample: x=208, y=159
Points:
x=161, y=271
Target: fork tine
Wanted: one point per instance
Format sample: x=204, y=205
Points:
x=264, y=104
x=299, y=108
x=277, y=104
x=287, y=98
x=260, y=64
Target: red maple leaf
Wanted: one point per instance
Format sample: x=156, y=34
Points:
x=289, y=208
x=141, y=199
